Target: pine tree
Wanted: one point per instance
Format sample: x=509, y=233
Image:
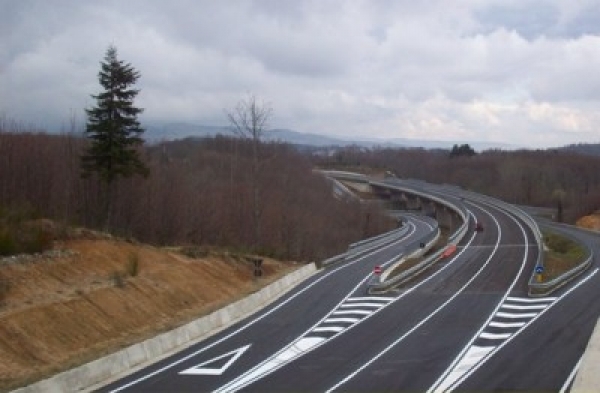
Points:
x=113, y=129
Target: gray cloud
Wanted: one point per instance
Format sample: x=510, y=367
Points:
x=506, y=71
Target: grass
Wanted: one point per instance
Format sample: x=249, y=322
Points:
x=442, y=242
x=563, y=254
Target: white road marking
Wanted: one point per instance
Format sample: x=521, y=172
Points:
x=510, y=315
x=532, y=307
x=337, y=320
x=473, y=356
x=495, y=336
x=451, y=376
x=268, y=366
x=269, y=312
x=548, y=299
x=350, y=312
x=571, y=376
x=450, y=380
x=369, y=305
x=205, y=369
x=370, y=298
x=507, y=324
x=423, y=321
x=334, y=329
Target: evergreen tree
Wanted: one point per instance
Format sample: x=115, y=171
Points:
x=462, y=151
x=113, y=129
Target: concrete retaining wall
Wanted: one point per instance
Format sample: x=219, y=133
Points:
x=111, y=366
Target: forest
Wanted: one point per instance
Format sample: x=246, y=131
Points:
x=198, y=192
x=557, y=178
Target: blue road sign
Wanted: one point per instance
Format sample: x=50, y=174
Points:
x=539, y=269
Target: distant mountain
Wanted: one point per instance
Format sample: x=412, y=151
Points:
x=172, y=131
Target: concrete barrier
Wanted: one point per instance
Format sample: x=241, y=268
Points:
x=588, y=377
x=151, y=350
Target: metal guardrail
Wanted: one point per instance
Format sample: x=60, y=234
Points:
x=523, y=216
x=376, y=286
x=365, y=246
x=387, y=284
x=429, y=239
x=391, y=234
x=537, y=289
x=458, y=208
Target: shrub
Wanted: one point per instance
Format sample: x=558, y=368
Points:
x=7, y=243
x=133, y=264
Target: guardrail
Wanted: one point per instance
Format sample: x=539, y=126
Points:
x=523, y=216
x=365, y=246
x=383, y=283
x=429, y=240
x=538, y=289
x=459, y=208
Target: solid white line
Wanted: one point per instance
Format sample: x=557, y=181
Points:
x=507, y=324
x=571, y=376
x=266, y=314
x=268, y=365
x=476, y=367
x=495, y=336
x=444, y=382
x=414, y=328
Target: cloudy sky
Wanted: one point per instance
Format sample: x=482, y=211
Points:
x=514, y=71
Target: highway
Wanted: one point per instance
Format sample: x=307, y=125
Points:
x=467, y=324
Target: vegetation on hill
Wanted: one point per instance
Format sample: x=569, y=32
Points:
x=199, y=192
x=566, y=181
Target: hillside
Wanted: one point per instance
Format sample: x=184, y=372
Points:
x=92, y=295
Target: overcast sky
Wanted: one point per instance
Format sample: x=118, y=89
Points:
x=515, y=71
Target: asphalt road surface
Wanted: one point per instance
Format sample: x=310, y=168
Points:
x=467, y=324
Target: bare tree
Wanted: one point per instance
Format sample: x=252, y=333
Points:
x=249, y=120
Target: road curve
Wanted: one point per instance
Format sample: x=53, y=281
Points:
x=467, y=324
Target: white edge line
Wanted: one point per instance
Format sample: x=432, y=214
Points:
x=257, y=319
x=380, y=354
x=476, y=367
x=445, y=374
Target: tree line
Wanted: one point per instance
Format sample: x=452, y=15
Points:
x=564, y=180
x=197, y=192
x=232, y=192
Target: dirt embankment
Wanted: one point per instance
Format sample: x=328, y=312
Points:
x=590, y=222
x=93, y=297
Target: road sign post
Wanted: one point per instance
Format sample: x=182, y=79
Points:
x=257, y=266
x=539, y=270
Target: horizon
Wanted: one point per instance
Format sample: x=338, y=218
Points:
x=474, y=70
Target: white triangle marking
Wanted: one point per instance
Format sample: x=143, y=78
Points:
x=205, y=369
